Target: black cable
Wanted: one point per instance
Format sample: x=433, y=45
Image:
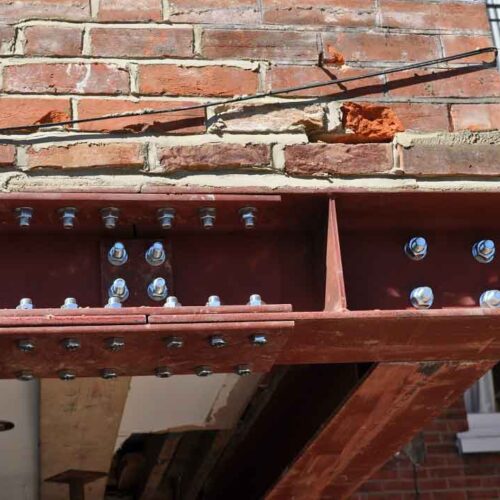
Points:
x=314, y=85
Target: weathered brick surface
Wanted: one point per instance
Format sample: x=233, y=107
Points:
x=7, y=155
x=453, y=160
x=214, y=11
x=475, y=116
x=7, y=34
x=260, y=44
x=17, y=111
x=185, y=122
x=214, y=156
x=86, y=155
x=219, y=81
x=141, y=42
x=322, y=12
x=337, y=159
x=53, y=40
x=61, y=78
x=21, y=10
x=420, y=117
x=129, y=10
x=456, y=44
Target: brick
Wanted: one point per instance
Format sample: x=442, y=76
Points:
x=422, y=117
x=445, y=83
x=53, y=41
x=59, y=78
x=466, y=159
x=129, y=10
x=7, y=155
x=281, y=77
x=86, y=155
x=259, y=44
x=214, y=156
x=13, y=11
x=455, y=44
x=383, y=47
x=320, y=12
x=21, y=111
x=7, y=34
x=475, y=116
x=186, y=122
x=214, y=12
x=318, y=159
x=217, y=81
x=423, y=15
x=141, y=42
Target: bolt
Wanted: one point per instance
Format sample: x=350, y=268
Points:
x=155, y=255
x=213, y=301
x=70, y=303
x=259, y=339
x=26, y=345
x=203, y=371
x=117, y=255
x=172, y=302
x=174, y=342
x=163, y=372
x=109, y=373
x=110, y=216
x=490, y=299
x=24, y=216
x=166, y=217
x=71, y=344
x=422, y=297
x=158, y=290
x=68, y=217
x=207, y=217
x=248, y=216
x=115, y=344
x=119, y=290
x=484, y=251
x=66, y=375
x=255, y=300
x=217, y=341
x=243, y=370
x=113, y=303
x=25, y=375
x=416, y=248
x=25, y=304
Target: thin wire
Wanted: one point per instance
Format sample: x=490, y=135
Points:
x=314, y=85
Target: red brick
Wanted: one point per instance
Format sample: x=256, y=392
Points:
x=214, y=156
x=21, y=111
x=445, y=83
x=129, y=10
x=320, y=12
x=432, y=484
x=186, y=122
x=259, y=44
x=53, y=41
x=455, y=44
x=422, y=117
x=68, y=10
x=214, y=11
x=7, y=155
x=469, y=159
x=217, y=81
x=383, y=46
x=86, y=155
x=488, y=494
x=7, y=34
x=141, y=42
x=337, y=159
x=281, y=77
x=59, y=78
x=423, y=15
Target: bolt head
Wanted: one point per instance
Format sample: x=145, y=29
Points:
x=158, y=290
x=255, y=300
x=68, y=216
x=70, y=303
x=259, y=339
x=248, y=216
x=71, y=344
x=115, y=344
x=26, y=345
x=490, y=299
x=217, y=341
x=67, y=375
x=416, y=248
x=172, y=302
x=243, y=370
x=155, y=254
x=213, y=301
x=163, y=372
x=422, y=297
x=117, y=255
x=25, y=375
x=174, y=342
x=110, y=216
x=484, y=251
x=25, y=304
x=203, y=371
x=119, y=290
x=166, y=217
x=109, y=373
x=207, y=217
x=113, y=303
x=24, y=216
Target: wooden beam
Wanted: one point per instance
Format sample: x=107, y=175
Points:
x=391, y=405
x=79, y=422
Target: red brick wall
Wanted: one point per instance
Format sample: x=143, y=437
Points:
x=444, y=475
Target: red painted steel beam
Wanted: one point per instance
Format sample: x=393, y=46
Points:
x=386, y=410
